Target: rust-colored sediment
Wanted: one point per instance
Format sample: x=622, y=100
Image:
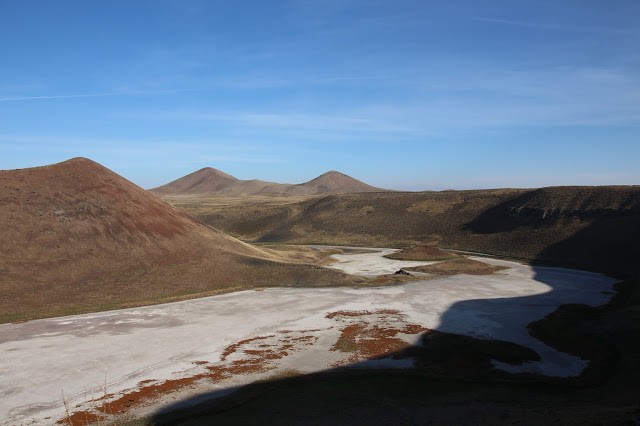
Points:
x=371, y=342
x=232, y=348
x=365, y=338
x=365, y=341
x=258, y=358
x=145, y=393
x=81, y=418
x=331, y=315
x=126, y=401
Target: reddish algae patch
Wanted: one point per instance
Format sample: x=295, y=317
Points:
x=331, y=315
x=371, y=335
x=232, y=348
x=373, y=338
x=81, y=418
x=146, y=393
x=257, y=358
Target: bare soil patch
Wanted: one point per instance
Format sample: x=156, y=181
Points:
x=422, y=252
x=302, y=254
x=461, y=265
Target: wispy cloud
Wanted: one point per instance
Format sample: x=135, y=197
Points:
x=214, y=159
x=247, y=82
x=101, y=95
x=311, y=122
x=140, y=145
x=551, y=26
x=33, y=98
x=461, y=101
x=137, y=159
x=278, y=120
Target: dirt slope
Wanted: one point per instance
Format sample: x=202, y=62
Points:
x=337, y=183
x=212, y=182
x=77, y=237
x=331, y=182
x=510, y=222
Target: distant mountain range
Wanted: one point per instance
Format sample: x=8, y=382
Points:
x=210, y=181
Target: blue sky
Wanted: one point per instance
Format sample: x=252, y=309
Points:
x=403, y=94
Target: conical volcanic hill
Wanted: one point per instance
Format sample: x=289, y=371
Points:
x=332, y=182
x=77, y=237
x=203, y=181
x=210, y=181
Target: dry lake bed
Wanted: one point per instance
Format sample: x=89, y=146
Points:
x=224, y=341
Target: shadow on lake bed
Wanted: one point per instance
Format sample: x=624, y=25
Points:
x=455, y=379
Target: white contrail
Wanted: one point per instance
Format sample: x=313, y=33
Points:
x=87, y=95
x=97, y=95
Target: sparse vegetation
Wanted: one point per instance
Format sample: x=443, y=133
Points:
x=590, y=228
x=517, y=223
x=99, y=242
x=284, y=374
x=424, y=253
x=460, y=265
x=87, y=240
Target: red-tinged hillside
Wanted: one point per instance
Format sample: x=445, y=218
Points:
x=77, y=237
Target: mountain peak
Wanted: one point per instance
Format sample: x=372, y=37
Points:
x=215, y=172
x=78, y=160
x=336, y=182
x=210, y=181
x=333, y=173
x=204, y=181
x=338, y=177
